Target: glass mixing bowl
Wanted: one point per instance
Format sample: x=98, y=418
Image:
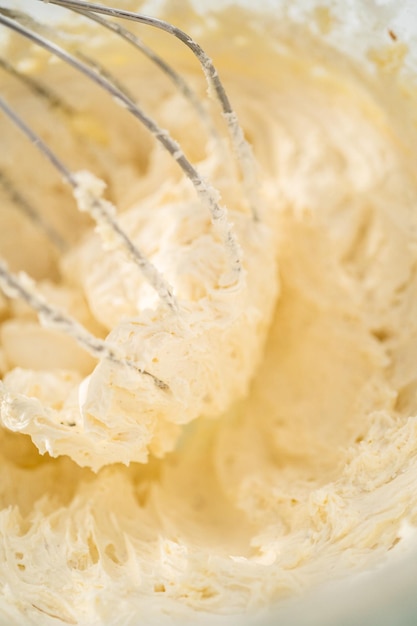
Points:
x=385, y=596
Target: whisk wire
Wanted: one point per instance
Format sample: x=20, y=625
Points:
x=181, y=85
x=36, y=87
x=26, y=207
x=21, y=286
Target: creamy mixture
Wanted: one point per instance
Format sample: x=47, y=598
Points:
x=284, y=452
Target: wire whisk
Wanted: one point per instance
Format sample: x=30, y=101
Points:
x=175, y=318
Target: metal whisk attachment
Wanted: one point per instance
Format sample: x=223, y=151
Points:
x=161, y=365
x=20, y=286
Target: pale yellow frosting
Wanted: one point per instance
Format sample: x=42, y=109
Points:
x=309, y=365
